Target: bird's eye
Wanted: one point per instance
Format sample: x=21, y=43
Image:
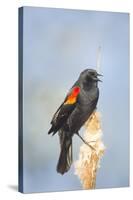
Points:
x=93, y=73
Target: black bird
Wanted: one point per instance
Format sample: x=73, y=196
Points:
x=77, y=107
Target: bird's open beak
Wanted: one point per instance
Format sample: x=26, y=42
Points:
x=99, y=74
x=98, y=78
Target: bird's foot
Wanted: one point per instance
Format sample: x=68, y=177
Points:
x=87, y=143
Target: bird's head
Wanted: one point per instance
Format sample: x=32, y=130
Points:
x=90, y=75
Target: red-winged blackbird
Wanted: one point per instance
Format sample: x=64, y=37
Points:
x=77, y=107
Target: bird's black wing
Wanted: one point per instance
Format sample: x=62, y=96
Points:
x=64, y=110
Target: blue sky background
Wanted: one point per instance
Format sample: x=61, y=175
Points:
x=58, y=45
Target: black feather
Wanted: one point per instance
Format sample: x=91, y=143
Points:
x=65, y=158
x=68, y=119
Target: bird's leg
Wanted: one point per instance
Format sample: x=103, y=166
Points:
x=85, y=141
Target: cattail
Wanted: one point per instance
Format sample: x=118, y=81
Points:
x=89, y=158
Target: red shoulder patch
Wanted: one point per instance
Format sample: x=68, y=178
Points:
x=72, y=97
x=75, y=91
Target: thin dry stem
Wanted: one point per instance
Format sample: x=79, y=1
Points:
x=98, y=65
x=89, y=160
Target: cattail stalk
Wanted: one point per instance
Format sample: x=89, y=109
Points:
x=98, y=64
x=89, y=158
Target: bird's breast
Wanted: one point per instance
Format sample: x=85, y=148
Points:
x=88, y=97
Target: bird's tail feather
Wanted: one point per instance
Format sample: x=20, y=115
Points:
x=65, y=158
